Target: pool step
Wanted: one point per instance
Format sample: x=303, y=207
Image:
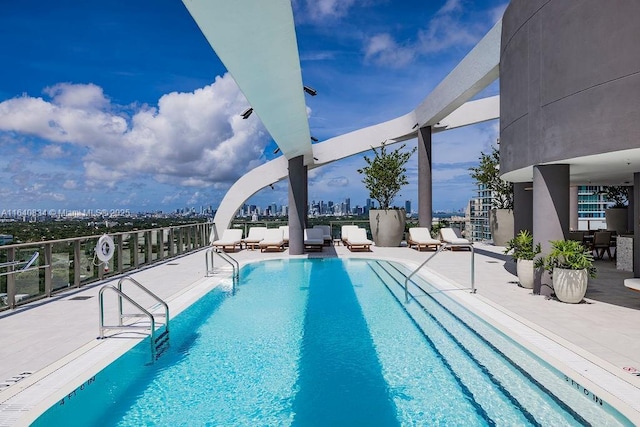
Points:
x=457, y=333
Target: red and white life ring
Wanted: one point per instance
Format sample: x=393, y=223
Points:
x=105, y=248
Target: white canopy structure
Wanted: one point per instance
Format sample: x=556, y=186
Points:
x=256, y=41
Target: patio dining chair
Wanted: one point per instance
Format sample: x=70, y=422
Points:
x=602, y=243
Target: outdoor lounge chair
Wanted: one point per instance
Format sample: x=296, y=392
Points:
x=358, y=240
x=449, y=236
x=326, y=233
x=256, y=234
x=313, y=239
x=231, y=238
x=285, y=234
x=602, y=243
x=345, y=232
x=272, y=240
x=420, y=237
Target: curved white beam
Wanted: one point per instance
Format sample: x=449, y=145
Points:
x=340, y=147
x=256, y=41
x=476, y=71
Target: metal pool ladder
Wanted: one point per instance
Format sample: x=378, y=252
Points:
x=158, y=343
x=440, y=249
x=225, y=257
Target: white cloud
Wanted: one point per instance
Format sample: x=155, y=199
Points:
x=320, y=10
x=445, y=30
x=52, y=151
x=193, y=139
x=83, y=96
x=70, y=184
x=383, y=50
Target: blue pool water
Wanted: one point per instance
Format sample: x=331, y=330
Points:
x=327, y=343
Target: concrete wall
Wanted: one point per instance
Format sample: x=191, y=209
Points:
x=569, y=80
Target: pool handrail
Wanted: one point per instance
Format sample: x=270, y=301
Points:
x=148, y=292
x=146, y=312
x=440, y=249
x=225, y=257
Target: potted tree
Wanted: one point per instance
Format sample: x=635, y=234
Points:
x=616, y=214
x=523, y=252
x=487, y=177
x=570, y=265
x=384, y=176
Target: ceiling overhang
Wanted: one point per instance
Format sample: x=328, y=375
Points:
x=256, y=41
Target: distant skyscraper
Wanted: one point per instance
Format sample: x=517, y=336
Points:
x=407, y=206
x=347, y=205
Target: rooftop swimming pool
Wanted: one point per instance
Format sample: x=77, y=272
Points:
x=329, y=342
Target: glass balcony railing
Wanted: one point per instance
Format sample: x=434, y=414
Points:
x=71, y=263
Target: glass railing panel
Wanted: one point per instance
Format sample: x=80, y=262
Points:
x=30, y=282
x=155, y=248
x=61, y=265
x=127, y=256
x=88, y=261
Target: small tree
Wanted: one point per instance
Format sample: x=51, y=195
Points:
x=385, y=173
x=487, y=173
x=618, y=195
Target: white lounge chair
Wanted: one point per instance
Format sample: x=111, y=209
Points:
x=326, y=233
x=256, y=234
x=272, y=240
x=358, y=240
x=231, y=238
x=313, y=239
x=285, y=234
x=345, y=232
x=420, y=237
x=449, y=236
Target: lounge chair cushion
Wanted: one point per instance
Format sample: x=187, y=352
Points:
x=273, y=238
x=326, y=232
x=231, y=237
x=449, y=235
x=345, y=231
x=313, y=236
x=358, y=240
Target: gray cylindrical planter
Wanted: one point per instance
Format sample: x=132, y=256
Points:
x=570, y=285
x=501, y=226
x=616, y=219
x=387, y=226
x=525, y=273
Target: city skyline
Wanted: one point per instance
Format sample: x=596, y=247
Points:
x=101, y=109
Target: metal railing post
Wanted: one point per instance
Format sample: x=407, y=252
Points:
x=76, y=263
x=170, y=242
x=47, y=269
x=148, y=248
x=136, y=258
x=160, y=243
x=11, y=279
x=119, y=252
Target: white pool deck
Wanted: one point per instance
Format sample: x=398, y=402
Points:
x=49, y=348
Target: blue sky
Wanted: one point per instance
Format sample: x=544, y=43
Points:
x=123, y=104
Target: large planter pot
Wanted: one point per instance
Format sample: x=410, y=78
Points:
x=616, y=219
x=501, y=226
x=525, y=273
x=387, y=226
x=570, y=285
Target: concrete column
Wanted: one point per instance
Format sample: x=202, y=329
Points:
x=297, y=205
x=573, y=207
x=636, y=223
x=522, y=207
x=550, y=211
x=630, y=209
x=425, y=202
